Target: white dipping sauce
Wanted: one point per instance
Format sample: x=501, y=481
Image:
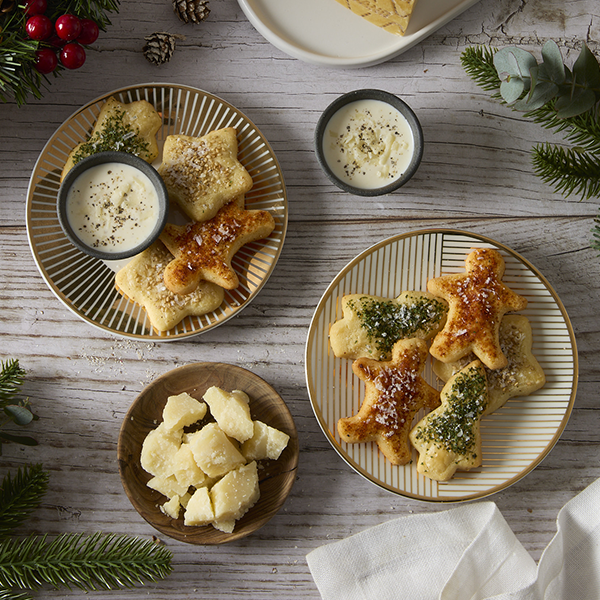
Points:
x=368, y=144
x=112, y=207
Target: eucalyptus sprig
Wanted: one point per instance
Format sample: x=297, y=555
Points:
x=88, y=562
x=16, y=410
x=556, y=97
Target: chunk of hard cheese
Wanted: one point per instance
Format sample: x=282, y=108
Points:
x=266, y=442
x=182, y=410
x=231, y=411
x=236, y=493
x=167, y=486
x=171, y=508
x=158, y=451
x=214, y=452
x=199, y=510
x=185, y=469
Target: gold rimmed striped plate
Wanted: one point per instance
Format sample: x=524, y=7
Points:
x=517, y=437
x=86, y=285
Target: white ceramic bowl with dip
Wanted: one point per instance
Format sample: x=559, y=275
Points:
x=112, y=205
x=369, y=142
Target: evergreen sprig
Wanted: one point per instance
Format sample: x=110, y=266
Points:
x=557, y=98
x=18, y=77
x=16, y=410
x=20, y=496
x=90, y=563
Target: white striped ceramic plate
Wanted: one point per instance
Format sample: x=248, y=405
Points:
x=515, y=438
x=86, y=285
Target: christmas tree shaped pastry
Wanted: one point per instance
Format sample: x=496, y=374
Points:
x=394, y=393
x=371, y=325
x=204, y=251
x=478, y=300
x=449, y=437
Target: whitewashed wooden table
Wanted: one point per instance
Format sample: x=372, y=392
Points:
x=475, y=176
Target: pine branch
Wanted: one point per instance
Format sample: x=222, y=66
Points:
x=20, y=496
x=11, y=380
x=569, y=170
x=478, y=62
x=90, y=563
x=11, y=595
x=596, y=234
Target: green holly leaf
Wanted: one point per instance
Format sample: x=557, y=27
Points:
x=553, y=66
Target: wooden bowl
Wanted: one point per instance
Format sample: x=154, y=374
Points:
x=276, y=477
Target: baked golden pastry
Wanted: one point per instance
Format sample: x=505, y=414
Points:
x=394, y=393
x=521, y=376
x=204, y=251
x=371, y=325
x=449, y=437
x=142, y=281
x=139, y=116
x=391, y=15
x=478, y=300
x=203, y=173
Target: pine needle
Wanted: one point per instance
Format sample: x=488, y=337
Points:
x=92, y=562
x=478, y=62
x=11, y=380
x=20, y=496
x=569, y=170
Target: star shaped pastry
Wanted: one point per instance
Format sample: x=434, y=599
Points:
x=478, y=300
x=142, y=281
x=202, y=174
x=521, y=376
x=449, y=437
x=204, y=251
x=394, y=393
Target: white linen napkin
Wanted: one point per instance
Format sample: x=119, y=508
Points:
x=465, y=553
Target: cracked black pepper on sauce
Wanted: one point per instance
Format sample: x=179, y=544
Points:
x=388, y=321
x=112, y=206
x=368, y=144
x=453, y=429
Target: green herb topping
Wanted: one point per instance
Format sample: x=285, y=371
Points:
x=453, y=428
x=114, y=135
x=387, y=321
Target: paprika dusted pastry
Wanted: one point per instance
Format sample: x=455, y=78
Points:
x=395, y=392
x=478, y=300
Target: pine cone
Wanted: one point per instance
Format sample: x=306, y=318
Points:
x=192, y=11
x=159, y=47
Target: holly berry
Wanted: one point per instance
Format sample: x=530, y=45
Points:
x=68, y=27
x=35, y=7
x=89, y=32
x=72, y=56
x=39, y=27
x=45, y=61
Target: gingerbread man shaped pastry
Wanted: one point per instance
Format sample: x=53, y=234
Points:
x=395, y=392
x=478, y=300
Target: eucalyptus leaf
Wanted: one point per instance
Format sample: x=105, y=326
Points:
x=514, y=61
x=540, y=95
x=586, y=70
x=18, y=439
x=572, y=105
x=512, y=90
x=554, y=67
x=18, y=414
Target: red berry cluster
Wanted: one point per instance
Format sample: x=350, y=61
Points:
x=66, y=36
